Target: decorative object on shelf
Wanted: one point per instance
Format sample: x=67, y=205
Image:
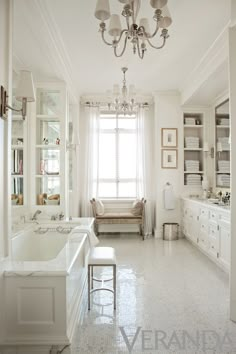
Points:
x=24, y=93
x=138, y=35
x=169, y=137
x=169, y=158
x=45, y=141
x=124, y=101
x=58, y=141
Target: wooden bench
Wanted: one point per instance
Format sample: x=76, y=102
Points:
x=119, y=218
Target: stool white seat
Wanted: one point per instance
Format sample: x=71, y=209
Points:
x=101, y=256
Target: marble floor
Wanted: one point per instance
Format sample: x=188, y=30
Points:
x=170, y=299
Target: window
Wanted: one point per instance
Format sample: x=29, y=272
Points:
x=117, y=172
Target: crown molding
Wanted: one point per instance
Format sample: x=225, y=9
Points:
x=216, y=55
x=48, y=38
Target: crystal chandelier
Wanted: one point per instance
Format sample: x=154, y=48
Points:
x=122, y=101
x=138, y=35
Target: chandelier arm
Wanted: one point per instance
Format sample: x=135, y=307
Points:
x=153, y=46
x=115, y=51
x=147, y=35
x=121, y=35
x=141, y=55
x=155, y=32
x=104, y=40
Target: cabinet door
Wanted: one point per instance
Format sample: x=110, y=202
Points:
x=224, y=249
x=213, y=238
x=203, y=235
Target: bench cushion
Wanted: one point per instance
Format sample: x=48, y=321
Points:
x=118, y=216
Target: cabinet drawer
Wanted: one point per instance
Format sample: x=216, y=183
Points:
x=204, y=213
x=213, y=216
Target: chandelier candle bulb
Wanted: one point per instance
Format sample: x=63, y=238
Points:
x=145, y=24
x=102, y=11
x=166, y=19
x=115, y=26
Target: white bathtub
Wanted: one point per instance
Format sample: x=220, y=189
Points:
x=33, y=246
x=44, y=285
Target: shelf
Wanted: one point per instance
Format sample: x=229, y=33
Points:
x=195, y=149
x=50, y=176
x=223, y=173
x=17, y=147
x=17, y=176
x=49, y=146
x=193, y=126
x=223, y=127
x=193, y=172
x=48, y=117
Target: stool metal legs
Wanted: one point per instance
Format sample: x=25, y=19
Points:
x=91, y=279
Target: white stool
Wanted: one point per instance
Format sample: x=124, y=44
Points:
x=101, y=256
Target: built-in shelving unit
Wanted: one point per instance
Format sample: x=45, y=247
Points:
x=222, y=145
x=193, y=148
x=18, y=164
x=48, y=145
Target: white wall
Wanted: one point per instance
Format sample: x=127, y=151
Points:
x=5, y=68
x=232, y=59
x=168, y=114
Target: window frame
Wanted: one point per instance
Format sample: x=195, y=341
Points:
x=117, y=131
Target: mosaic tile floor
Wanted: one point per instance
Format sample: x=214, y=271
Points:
x=170, y=299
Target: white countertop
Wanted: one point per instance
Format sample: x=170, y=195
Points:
x=205, y=202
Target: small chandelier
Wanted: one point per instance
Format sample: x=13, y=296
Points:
x=138, y=35
x=122, y=101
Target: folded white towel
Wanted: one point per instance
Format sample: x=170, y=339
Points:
x=93, y=240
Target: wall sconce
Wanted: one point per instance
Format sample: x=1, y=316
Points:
x=25, y=93
x=206, y=149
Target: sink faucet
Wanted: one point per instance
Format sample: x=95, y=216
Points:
x=34, y=217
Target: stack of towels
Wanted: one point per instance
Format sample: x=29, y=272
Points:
x=192, y=165
x=224, y=166
x=224, y=121
x=223, y=180
x=191, y=142
x=193, y=180
x=190, y=121
x=224, y=143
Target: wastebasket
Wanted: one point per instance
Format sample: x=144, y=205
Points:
x=170, y=231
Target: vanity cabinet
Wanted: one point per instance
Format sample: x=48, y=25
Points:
x=208, y=227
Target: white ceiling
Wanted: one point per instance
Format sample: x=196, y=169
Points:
x=68, y=30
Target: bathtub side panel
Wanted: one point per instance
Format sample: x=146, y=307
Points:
x=76, y=287
x=35, y=309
